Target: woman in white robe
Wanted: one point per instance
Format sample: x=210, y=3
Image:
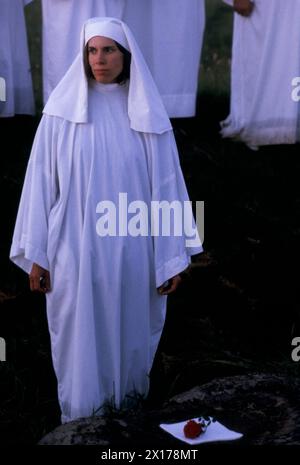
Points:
x=169, y=33
x=265, y=61
x=99, y=141
x=16, y=91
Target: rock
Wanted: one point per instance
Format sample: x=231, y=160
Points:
x=264, y=407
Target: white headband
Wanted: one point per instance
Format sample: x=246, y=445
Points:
x=110, y=29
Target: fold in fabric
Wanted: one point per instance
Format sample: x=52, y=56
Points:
x=169, y=33
x=145, y=109
x=17, y=96
x=265, y=60
x=104, y=313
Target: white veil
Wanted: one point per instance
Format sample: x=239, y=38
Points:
x=69, y=100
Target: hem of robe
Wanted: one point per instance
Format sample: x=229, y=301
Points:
x=24, y=254
x=259, y=135
x=129, y=401
x=180, y=105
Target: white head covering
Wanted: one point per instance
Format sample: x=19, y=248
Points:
x=69, y=100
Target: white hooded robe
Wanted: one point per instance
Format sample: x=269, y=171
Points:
x=104, y=313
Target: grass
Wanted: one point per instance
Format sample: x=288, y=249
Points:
x=214, y=76
x=239, y=313
x=27, y=384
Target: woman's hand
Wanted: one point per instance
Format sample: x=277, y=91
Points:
x=173, y=283
x=243, y=7
x=39, y=279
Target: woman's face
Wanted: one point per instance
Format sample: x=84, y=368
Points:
x=105, y=59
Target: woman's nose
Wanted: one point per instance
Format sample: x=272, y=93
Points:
x=100, y=58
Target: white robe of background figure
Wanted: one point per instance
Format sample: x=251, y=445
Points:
x=264, y=72
x=169, y=33
x=16, y=91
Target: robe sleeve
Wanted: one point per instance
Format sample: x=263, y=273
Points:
x=39, y=193
x=172, y=252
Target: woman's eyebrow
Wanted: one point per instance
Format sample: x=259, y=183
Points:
x=93, y=47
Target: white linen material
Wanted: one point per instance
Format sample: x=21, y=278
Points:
x=104, y=313
x=265, y=59
x=17, y=97
x=169, y=33
x=145, y=109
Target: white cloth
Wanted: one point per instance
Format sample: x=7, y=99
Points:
x=265, y=59
x=104, y=313
x=215, y=432
x=145, y=109
x=14, y=60
x=169, y=34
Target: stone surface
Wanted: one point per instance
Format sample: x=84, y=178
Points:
x=264, y=407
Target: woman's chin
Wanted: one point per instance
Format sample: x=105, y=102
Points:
x=102, y=79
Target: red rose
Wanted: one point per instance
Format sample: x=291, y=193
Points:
x=192, y=429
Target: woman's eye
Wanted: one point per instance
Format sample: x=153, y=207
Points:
x=93, y=50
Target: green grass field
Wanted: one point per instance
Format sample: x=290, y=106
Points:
x=214, y=75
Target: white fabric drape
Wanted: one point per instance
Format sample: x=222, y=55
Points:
x=169, y=33
x=145, y=109
x=14, y=60
x=104, y=313
x=265, y=59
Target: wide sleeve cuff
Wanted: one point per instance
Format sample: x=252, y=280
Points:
x=24, y=254
x=169, y=269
